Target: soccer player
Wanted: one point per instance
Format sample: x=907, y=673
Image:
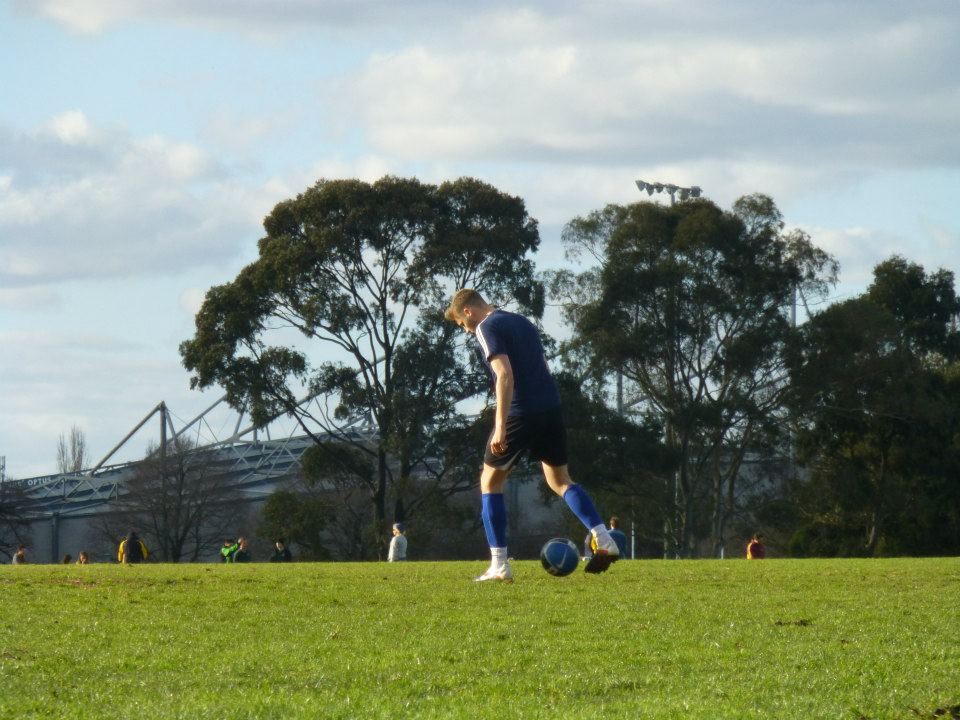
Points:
x=528, y=420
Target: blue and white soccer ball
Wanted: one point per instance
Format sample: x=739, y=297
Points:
x=559, y=556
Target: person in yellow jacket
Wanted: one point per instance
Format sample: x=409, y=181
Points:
x=132, y=549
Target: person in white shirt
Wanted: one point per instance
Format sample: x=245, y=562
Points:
x=398, y=545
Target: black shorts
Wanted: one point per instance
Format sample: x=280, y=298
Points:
x=543, y=435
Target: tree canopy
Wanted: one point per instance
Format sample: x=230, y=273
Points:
x=878, y=408
x=684, y=309
x=689, y=303
x=362, y=271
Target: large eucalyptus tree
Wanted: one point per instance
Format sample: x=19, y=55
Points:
x=362, y=271
x=690, y=302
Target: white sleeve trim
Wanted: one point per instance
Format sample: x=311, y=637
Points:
x=483, y=342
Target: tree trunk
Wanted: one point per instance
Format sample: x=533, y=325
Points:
x=380, y=501
x=728, y=508
x=686, y=508
x=719, y=511
x=670, y=509
x=876, y=516
x=724, y=489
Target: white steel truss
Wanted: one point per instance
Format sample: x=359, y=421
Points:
x=253, y=463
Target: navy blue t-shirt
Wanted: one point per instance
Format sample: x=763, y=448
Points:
x=506, y=333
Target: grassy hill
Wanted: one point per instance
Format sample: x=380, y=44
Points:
x=650, y=639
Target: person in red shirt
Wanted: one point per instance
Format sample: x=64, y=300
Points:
x=755, y=549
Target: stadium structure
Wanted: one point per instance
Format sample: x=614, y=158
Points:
x=65, y=507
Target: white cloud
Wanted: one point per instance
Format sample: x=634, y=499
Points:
x=253, y=17
x=191, y=299
x=557, y=92
x=367, y=168
x=555, y=193
x=946, y=239
x=28, y=299
x=71, y=127
x=243, y=134
x=88, y=17
x=96, y=380
x=858, y=250
x=628, y=82
x=124, y=206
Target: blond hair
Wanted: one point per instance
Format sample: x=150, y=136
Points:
x=462, y=298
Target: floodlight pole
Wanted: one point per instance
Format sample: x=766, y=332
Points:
x=685, y=193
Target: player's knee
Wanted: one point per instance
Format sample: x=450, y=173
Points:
x=557, y=478
x=492, y=479
x=560, y=488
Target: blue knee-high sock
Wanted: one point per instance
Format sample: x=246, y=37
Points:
x=495, y=519
x=581, y=504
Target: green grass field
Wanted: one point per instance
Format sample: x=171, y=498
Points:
x=650, y=639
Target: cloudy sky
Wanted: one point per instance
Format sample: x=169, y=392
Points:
x=143, y=141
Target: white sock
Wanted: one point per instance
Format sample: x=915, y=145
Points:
x=498, y=556
x=600, y=532
x=604, y=539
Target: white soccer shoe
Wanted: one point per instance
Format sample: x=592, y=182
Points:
x=503, y=573
x=605, y=553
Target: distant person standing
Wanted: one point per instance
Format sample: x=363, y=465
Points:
x=228, y=550
x=398, y=544
x=242, y=555
x=281, y=552
x=132, y=549
x=20, y=556
x=755, y=549
x=618, y=537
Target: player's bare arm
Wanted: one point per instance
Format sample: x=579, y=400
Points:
x=500, y=364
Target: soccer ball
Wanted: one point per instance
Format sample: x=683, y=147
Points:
x=559, y=556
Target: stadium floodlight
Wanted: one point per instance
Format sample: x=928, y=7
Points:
x=685, y=193
x=643, y=185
